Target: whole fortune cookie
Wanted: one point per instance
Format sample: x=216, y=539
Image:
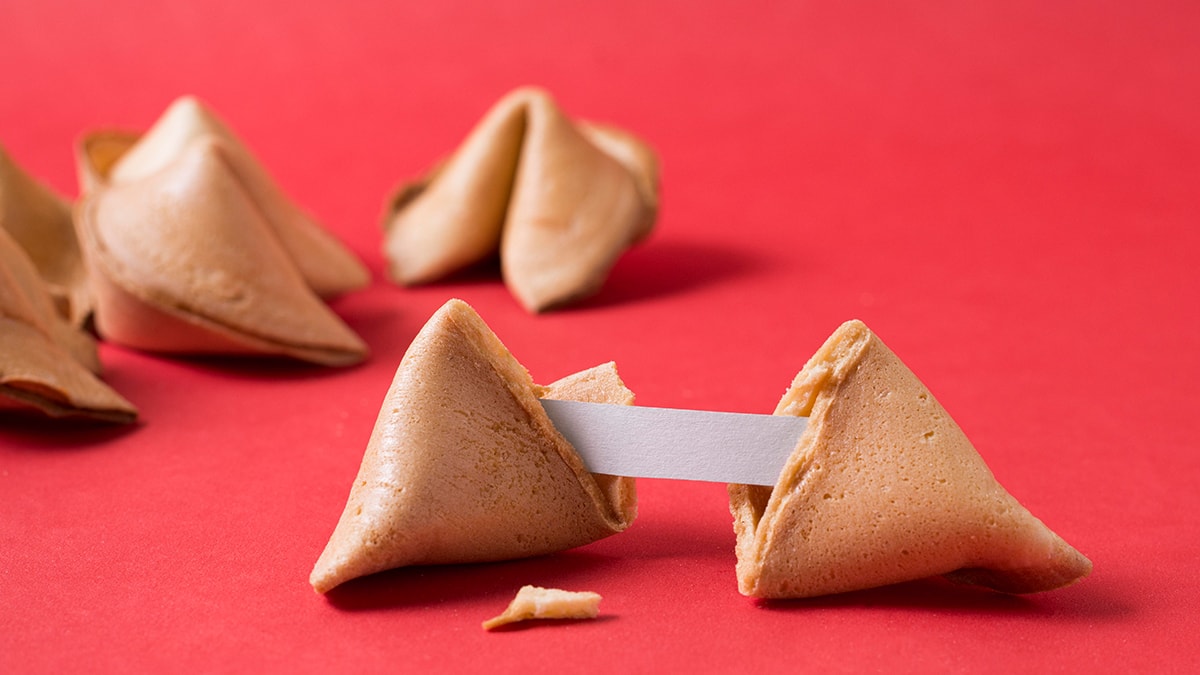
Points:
x=191, y=249
x=559, y=200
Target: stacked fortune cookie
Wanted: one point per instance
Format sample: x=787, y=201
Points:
x=47, y=362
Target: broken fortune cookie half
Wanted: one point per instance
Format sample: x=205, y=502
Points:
x=884, y=487
x=45, y=363
x=465, y=466
x=559, y=200
x=183, y=259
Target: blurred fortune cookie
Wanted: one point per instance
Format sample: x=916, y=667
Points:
x=191, y=248
x=40, y=222
x=559, y=200
x=46, y=363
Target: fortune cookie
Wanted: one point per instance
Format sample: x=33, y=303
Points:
x=465, y=466
x=40, y=222
x=884, y=487
x=328, y=267
x=559, y=200
x=45, y=363
x=190, y=249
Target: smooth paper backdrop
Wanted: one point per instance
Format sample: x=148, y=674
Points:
x=1004, y=191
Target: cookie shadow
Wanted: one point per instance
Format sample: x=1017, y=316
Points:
x=30, y=430
x=426, y=586
x=940, y=595
x=661, y=269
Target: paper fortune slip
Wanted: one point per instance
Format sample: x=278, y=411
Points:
x=644, y=442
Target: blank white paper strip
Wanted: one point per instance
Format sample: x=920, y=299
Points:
x=684, y=444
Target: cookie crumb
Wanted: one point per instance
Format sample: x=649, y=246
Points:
x=534, y=602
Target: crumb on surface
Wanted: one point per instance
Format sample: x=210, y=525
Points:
x=534, y=602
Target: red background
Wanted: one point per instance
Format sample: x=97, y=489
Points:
x=1005, y=191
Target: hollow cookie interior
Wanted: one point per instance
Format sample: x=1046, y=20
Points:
x=884, y=487
x=464, y=465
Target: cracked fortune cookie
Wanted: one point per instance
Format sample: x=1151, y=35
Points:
x=559, y=200
x=191, y=250
x=464, y=465
x=45, y=363
x=40, y=222
x=884, y=487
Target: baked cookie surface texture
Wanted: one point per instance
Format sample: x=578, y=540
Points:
x=884, y=487
x=464, y=465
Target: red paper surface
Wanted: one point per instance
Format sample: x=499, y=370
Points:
x=1005, y=192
